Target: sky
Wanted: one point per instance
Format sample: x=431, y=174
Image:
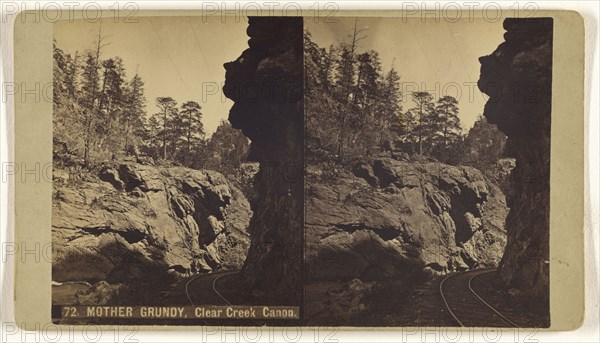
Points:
x=441, y=58
x=180, y=57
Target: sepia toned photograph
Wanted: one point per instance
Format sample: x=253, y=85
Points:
x=178, y=171
x=356, y=171
x=427, y=172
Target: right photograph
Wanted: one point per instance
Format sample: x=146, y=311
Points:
x=427, y=171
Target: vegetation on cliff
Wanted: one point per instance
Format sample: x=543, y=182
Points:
x=355, y=109
x=101, y=115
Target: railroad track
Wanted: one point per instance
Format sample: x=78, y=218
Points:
x=208, y=288
x=467, y=307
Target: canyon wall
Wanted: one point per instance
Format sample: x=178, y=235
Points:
x=265, y=83
x=391, y=218
x=518, y=78
x=144, y=227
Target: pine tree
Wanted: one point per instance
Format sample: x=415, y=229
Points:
x=65, y=72
x=58, y=74
x=367, y=126
x=327, y=67
x=134, y=110
x=72, y=75
x=345, y=72
x=423, y=112
x=112, y=90
x=90, y=77
x=168, y=110
x=392, y=100
x=449, y=122
x=151, y=136
x=346, y=63
x=390, y=107
x=322, y=131
x=90, y=96
x=190, y=120
x=96, y=109
x=111, y=104
x=67, y=121
x=367, y=84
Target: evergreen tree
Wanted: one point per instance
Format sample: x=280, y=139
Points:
x=319, y=100
x=58, y=74
x=192, y=129
x=112, y=85
x=369, y=74
x=448, y=121
x=392, y=98
x=327, y=67
x=391, y=126
x=353, y=109
x=97, y=111
x=134, y=111
x=65, y=71
x=72, y=75
x=91, y=79
x=367, y=127
x=422, y=112
x=111, y=104
x=152, y=136
x=168, y=109
x=345, y=72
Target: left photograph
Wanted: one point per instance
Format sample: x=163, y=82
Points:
x=178, y=171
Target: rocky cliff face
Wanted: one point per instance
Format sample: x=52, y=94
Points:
x=388, y=219
x=518, y=78
x=137, y=222
x=265, y=83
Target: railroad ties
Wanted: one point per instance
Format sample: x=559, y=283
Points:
x=467, y=307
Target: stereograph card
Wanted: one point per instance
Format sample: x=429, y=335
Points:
x=363, y=169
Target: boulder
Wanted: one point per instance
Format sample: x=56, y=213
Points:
x=440, y=217
x=155, y=222
x=99, y=294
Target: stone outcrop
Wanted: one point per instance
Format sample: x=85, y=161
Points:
x=265, y=83
x=518, y=78
x=137, y=222
x=388, y=219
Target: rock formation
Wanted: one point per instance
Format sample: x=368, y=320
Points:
x=518, y=79
x=138, y=222
x=265, y=83
x=389, y=219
